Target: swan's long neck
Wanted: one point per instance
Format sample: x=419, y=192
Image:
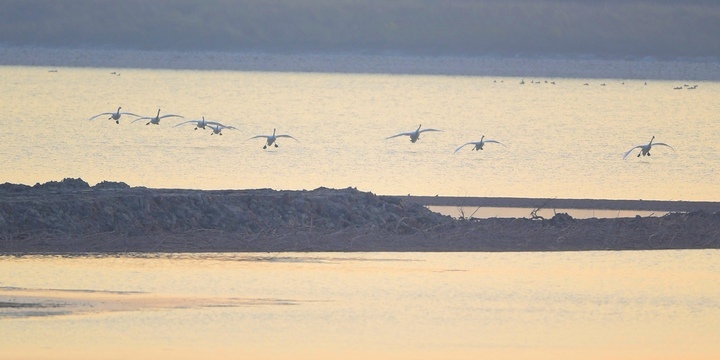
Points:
x=119, y=107
x=481, y=138
x=273, y=132
x=651, y=140
x=418, y=129
x=158, y=114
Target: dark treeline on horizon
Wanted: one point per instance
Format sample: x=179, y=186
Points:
x=609, y=28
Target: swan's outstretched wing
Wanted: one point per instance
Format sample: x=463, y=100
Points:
x=101, y=114
x=629, y=151
x=465, y=144
x=171, y=115
x=495, y=141
x=220, y=125
x=131, y=114
x=187, y=122
x=286, y=136
x=424, y=130
x=142, y=118
x=664, y=144
x=259, y=136
x=400, y=134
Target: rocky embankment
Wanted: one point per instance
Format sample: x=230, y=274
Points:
x=70, y=216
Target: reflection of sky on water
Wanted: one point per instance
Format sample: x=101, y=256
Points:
x=564, y=140
x=389, y=305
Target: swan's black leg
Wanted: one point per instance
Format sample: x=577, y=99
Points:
x=276, y=145
x=264, y=146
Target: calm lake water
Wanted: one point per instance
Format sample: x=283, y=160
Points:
x=564, y=140
x=565, y=305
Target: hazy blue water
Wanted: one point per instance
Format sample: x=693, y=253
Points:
x=563, y=140
x=590, y=305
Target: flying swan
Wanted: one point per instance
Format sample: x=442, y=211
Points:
x=202, y=124
x=114, y=115
x=217, y=128
x=478, y=145
x=414, y=135
x=645, y=149
x=272, y=138
x=156, y=120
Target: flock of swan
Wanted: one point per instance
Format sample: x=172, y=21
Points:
x=216, y=127
x=271, y=140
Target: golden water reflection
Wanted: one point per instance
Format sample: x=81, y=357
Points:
x=596, y=305
x=512, y=212
x=565, y=140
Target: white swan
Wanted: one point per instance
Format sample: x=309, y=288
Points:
x=217, y=127
x=414, y=135
x=114, y=115
x=478, y=144
x=645, y=149
x=199, y=124
x=272, y=138
x=156, y=120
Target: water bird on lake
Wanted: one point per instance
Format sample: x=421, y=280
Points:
x=271, y=139
x=414, y=135
x=156, y=120
x=478, y=145
x=114, y=115
x=645, y=149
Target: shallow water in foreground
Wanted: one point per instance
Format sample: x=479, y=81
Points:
x=590, y=305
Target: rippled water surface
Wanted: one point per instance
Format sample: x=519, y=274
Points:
x=564, y=140
x=589, y=305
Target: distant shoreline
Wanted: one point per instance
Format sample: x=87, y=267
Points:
x=550, y=203
x=72, y=217
x=529, y=67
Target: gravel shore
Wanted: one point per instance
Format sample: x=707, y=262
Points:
x=71, y=217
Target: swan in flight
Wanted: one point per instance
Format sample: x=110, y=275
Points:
x=414, y=135
x=217, y=128
x=114, y=115
x=478, y=145
x=272, y=138
x=645, y=149
x=155, y=120
x=200, y=124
